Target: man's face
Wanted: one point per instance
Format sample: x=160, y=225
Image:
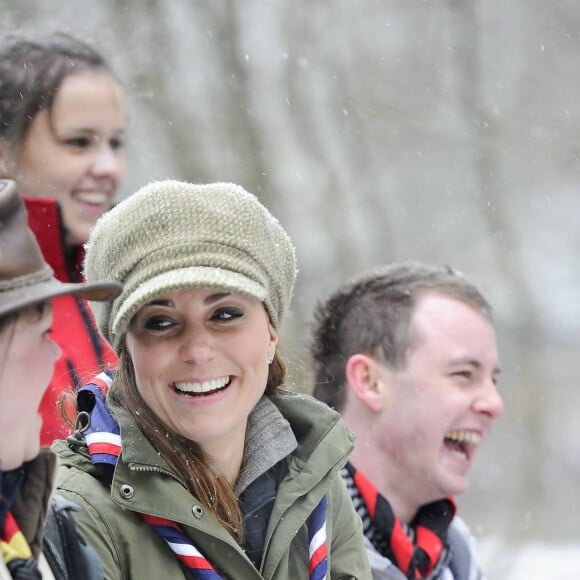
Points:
x=437, y=410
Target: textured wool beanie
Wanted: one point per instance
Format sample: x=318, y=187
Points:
x=172, y=235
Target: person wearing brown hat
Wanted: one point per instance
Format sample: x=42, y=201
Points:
x=27, y=355
x=198, y=458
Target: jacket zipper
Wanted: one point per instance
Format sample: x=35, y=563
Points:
x=150, y=468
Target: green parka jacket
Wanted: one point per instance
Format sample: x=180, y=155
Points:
x=144, y=483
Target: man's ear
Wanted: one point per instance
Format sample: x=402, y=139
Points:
x=364, y=380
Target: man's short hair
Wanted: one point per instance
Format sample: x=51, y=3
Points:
x=371, y=315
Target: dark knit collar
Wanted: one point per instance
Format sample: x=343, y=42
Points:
x=10, y=482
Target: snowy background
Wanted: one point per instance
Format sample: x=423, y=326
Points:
x=380, y=130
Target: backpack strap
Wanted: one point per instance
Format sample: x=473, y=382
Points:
x=67, y=553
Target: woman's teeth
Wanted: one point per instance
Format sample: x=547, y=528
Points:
x=202, y=388
x=93, y=197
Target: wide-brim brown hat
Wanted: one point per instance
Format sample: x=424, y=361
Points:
x=25, y=278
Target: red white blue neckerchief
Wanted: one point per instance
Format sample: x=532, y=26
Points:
x=103, y=439
x=101, y=432
x=317, y=547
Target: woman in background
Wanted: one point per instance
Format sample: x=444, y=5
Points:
x=62, y=127
x=27, y=357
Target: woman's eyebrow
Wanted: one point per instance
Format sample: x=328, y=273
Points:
x=216, y=297
x=159, y=302
x=212, y=298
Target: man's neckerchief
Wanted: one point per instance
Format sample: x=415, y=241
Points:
x=419, y=549
x=103, y=438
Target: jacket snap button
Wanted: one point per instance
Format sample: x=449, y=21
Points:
x=197, y=511
x=127, y=491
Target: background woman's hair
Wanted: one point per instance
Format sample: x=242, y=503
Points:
x=32, y=70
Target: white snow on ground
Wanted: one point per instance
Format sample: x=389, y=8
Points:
x=532, y=561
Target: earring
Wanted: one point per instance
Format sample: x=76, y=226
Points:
x=270, y=358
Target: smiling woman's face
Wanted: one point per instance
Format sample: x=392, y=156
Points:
x=200, y=359
x=74, y=151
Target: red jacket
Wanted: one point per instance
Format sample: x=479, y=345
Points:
x=84, y=351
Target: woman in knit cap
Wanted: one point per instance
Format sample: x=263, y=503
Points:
x=62, y=125
x=197, y=463
x=28, y=355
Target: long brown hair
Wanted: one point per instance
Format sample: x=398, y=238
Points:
x=184, y=456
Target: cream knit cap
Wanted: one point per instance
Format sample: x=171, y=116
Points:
x=172, y=235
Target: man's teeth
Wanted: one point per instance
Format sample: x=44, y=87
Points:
x=203, y=387
x=95, y=197
x=464, y=437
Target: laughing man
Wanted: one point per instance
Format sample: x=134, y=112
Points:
x=407, y=353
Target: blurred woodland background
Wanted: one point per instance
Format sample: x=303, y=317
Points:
x=382, y=130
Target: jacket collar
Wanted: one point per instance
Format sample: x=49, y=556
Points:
x=319, y=430
x=136, y=447
x=269, y=439
x=45, y=220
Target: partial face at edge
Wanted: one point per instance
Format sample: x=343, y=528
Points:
x=28, y=357
x=74, y=152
